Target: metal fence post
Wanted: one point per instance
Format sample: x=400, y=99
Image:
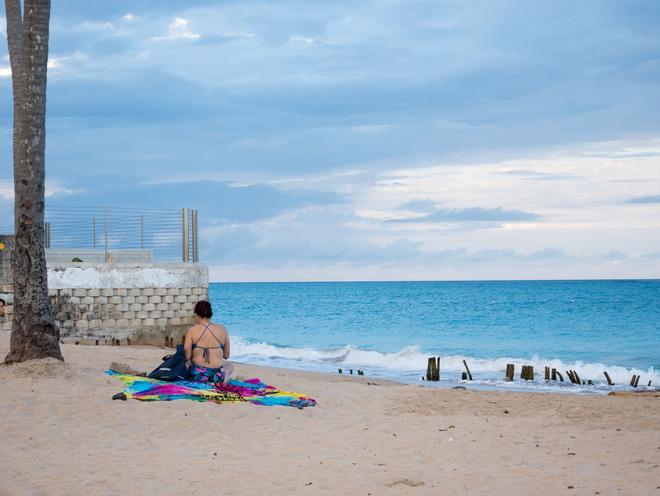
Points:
x=195, y=237
x=185, y=235
x=105, y=213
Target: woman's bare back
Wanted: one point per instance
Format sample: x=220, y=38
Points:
x=209, y=341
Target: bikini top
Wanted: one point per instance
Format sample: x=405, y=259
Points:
x=205, y=352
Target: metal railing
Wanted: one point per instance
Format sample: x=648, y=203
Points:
x=159, y=234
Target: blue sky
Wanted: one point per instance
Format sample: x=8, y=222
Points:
x=366, y=140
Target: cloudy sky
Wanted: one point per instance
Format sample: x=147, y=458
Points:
x=382, y=139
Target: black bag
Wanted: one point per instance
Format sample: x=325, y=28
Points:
x=173, y=367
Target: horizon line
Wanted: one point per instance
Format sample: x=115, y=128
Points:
x=608, y=279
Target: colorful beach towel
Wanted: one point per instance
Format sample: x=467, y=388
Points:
x=251, y=390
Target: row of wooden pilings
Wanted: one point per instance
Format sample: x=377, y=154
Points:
x=433, y=370
x=359, y=372
x=526, y=374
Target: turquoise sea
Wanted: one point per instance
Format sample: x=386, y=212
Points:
x=389, y=329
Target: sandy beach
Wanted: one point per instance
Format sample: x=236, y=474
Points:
x=62, y=434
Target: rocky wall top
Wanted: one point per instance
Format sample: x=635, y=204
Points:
x=144, y=275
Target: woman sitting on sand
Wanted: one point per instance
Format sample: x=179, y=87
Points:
x=207, y=348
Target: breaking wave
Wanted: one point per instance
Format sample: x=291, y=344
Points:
x=410, y=362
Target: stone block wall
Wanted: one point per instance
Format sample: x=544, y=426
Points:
x=149, y=303
x=147, y=315
x=6, y=288
x=7, y=294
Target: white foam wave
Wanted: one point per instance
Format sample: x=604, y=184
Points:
x=410, y=360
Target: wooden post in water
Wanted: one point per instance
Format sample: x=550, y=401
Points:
x=433, y=369
x=561, y=377
x=554, y=374
x=510, y=370
x=632, y=381
x=468, y=370
x=637, y=381
x=547, y=373
x=577, y=378
x=464, y=376
x=527, y=373
x=609, y=381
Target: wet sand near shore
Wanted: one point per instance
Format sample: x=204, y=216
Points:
x=62, y=434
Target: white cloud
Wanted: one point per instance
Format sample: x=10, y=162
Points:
x=307, y=40
x=178, y=29
x=54, y=62
x=579, y=200
x=53, y=187
x=371, y=128
x=98, y=26
x=457, y=265
x=239, y=34
x=6, y=190
x=69, y=64
x=450, y=106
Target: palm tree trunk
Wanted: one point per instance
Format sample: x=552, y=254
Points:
x=34, y=332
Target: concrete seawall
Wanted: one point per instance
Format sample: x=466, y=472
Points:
x=146, y=303
x=111, y=303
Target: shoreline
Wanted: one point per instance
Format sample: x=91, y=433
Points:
x=450, y=378
x=532, y=387
x=64, y=435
